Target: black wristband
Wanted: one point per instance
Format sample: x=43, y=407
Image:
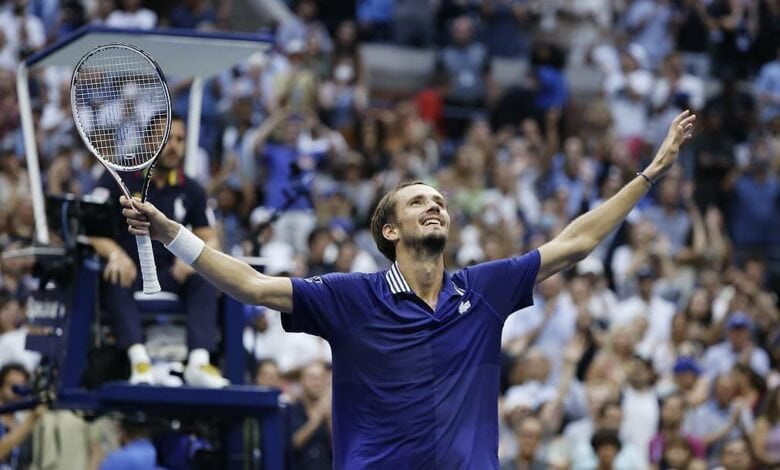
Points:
x=647, y=178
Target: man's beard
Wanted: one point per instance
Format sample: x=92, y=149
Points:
x=427, y=246
x=162, y=163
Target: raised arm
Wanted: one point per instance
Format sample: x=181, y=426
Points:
x=585, y=232
x=234, y=277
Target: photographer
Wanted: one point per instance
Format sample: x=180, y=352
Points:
x=14, y=445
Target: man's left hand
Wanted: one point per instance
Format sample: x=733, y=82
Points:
x=181, y=271
x=680, y=131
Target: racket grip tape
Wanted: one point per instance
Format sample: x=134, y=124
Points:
x=148, y=268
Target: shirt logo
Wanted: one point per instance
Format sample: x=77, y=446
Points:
x=179, y=211
x=464, y=306
x=314, y=279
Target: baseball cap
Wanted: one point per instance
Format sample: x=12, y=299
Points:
x=686, y=364
x=253, y=311
x=590, y=265
x=294, y=46
x=739, y=320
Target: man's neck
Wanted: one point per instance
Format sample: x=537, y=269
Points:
x=524, y=462
x=160, y=176
x=424, y=275
x=309, y=402
x=669, y=431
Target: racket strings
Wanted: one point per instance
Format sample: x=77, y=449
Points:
x=121, y=106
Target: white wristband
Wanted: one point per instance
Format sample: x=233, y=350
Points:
x=186, y=245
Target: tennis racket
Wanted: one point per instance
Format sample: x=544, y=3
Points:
x=122, y=109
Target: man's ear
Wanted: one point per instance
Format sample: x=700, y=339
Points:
x=389, y=232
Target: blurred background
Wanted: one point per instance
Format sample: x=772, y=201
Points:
x=660, y=350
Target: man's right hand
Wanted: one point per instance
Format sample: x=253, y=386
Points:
x=120, y=269
x=145, y=219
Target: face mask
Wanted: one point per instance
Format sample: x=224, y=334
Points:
x=344, y=73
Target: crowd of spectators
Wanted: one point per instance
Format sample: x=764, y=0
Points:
x=660, y=350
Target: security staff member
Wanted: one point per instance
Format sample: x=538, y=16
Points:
x=184, y=200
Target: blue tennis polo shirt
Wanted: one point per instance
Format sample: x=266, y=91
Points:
x=414, y=388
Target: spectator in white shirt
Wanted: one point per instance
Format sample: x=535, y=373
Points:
x=668, y=216
x=767, y=87
x=585, y=457
x=677, y=88
x=641, y=410
x=265, y=338
x=628, y=93
x=22, y=33
x=649, y=308
x=549, y=325
x=132, y=16
x=13, y=336
x=739, y=347
x=629, y=258
x=601, y=302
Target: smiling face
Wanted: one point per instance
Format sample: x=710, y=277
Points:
x=421, y=221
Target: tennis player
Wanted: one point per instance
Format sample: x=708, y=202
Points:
x=415, y=350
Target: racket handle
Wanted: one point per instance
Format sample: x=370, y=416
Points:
x=148, y=268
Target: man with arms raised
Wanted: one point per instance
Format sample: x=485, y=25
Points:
x=415, y=350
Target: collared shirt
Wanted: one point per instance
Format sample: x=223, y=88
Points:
x=768, y=82
x=710, y=417
x=720, y=358
x=674, y=226
x=137, y=455
x=414, y=387
x=280, y=183
x=180, y=198
x=556, y=330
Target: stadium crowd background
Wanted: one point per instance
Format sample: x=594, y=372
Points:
x=663, y=346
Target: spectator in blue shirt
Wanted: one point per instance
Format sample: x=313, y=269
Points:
x=671, y=220
x=15, y=448
x=767, y=88
x=291, y=149
x=416, y=350
x=755, y=203
x=374, y=17
x=507, y=31
x=137, y=451
x=308, y=422
x=721, y=418
x=466, y=65
x=739, y=347
x=192, y=14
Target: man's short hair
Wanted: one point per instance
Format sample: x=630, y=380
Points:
x=385, y=214
x=6, y=370
x=605, y=437
x=5, y=297
x=158, y=119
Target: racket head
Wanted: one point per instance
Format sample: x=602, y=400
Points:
x=121, y=106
